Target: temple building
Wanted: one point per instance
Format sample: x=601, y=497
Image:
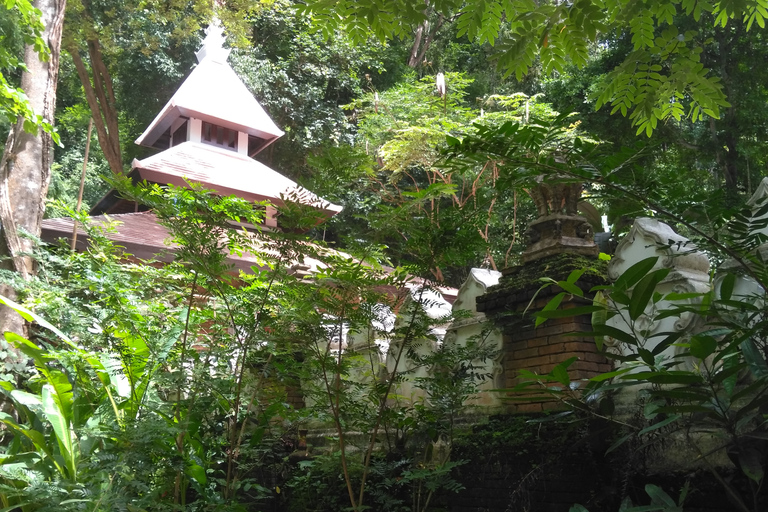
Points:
x=208, y=133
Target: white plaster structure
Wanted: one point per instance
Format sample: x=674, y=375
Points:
x=436, y=308
x=746, y=288
x=689, y=273
x=474, y=326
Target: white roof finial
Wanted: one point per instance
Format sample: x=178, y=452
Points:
x=213, y=44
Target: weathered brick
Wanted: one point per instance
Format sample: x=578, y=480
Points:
x=552, y=406
x=550, y=330
x=579, y=346
x=538, y=342
x=585, y=365
x=525, y=353
x=546, y=368
x=523, y=335
x=528, y=407
x=552, y=348
x=537, y=361
x=595, y=357
x=578, y=339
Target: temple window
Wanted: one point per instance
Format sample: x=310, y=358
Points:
x=216, y=135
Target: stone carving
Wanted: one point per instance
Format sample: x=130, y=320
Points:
x=560, y=198
x=650, y=237
x=559, y=227
x=532, y=236
x=584, y=230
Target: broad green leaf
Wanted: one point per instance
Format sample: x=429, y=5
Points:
x=662, y=423
x=660, y=497
x=26, y=346
x=643, y=292
x=552, y=305
x=575, y=275
x=32, y=317
x=750, y=462
x=635, y=273
x=673, y=377
x=197, y=473
x=726, y=286
x=609, y=375
x=30, y=400
x=615, y=333
x=560, y=374
x=61, y=427
x=646, y=356
x=754, y=359
x=703, y=346
x=37, y=438
x=571, y=288
x=666, y=342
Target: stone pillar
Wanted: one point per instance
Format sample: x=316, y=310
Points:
x=559, y=228
x=559, y=241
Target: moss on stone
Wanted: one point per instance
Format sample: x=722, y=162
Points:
x=557, y=267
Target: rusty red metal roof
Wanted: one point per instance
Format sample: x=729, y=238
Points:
x=227, y=173
x=142, y=236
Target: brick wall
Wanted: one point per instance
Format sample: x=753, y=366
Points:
x=540, y=349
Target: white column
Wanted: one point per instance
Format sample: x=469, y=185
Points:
x=242, y=143
x=195, y=130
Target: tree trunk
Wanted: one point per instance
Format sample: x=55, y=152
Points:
x=423, y=37
x=728, y=160
x=101, y=100
x=25, y=167
x=413, y=60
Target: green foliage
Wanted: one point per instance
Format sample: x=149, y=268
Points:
x=662, y=79
x=660, y=501
x=695, y=382
x=302, y=80
x=458, y=210
x=168, y=389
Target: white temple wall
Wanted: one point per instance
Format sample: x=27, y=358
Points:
x=474, y=326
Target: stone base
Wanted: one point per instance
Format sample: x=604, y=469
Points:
x=556, y=234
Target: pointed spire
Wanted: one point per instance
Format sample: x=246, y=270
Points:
x=213, y=44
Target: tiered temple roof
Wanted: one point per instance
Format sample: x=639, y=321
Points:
x=207, y=133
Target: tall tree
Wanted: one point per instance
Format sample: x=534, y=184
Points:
x=663, y=77
x=25, y=168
